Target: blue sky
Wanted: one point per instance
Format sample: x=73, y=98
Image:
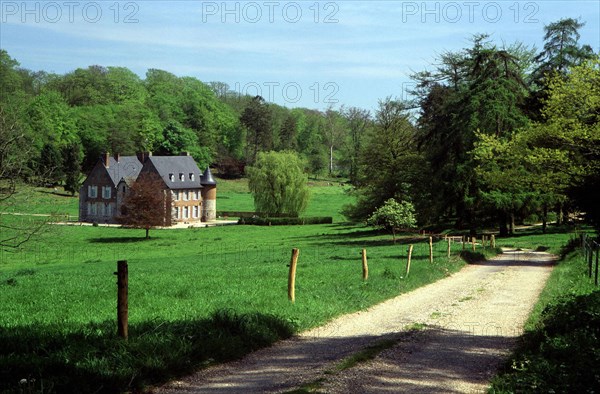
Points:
x=295, y=53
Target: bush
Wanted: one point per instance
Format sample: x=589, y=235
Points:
x=277, y=221
x=562, y=355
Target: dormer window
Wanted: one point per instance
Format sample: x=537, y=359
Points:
x=181, y=177
x=172, y=177
x=192, y=176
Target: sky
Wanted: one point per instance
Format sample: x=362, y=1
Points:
x=311, y=54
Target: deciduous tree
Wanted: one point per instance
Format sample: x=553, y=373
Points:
x=144, y=205
x=278, y=184
x=394, y=216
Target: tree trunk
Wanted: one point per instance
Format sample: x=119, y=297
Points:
x=512, y=223
x=394, y=234
x=544, y=218
x=147, y=233
x=559, y=215
x=330, y=160
x=503, y=230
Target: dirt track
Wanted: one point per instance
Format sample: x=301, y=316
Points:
x=472, y=320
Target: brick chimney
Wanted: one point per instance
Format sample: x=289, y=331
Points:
x=184, y=154
x=106, y=159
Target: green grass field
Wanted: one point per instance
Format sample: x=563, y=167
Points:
x=204, y=295
x=196, y=296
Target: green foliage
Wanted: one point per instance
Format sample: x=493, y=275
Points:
x=50, y=164
x=278, y=184
x=256, y=118
x=389, y=163
x=394, y=216
x=72, y=167
x=278, y=221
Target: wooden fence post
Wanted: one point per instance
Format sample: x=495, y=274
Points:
x=431, y=249
x=493, y=241
x=596, y=276
x=410, y=249
x=449, y=248
x=292, y=276
x=473, y=240
x=365, y=266
x=590, y=257
x=463, y=242
x=122, y=303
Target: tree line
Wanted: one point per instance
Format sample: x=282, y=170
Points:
x=494, y=134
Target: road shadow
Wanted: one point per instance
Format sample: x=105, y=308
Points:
x=435, y=357
x=518, y=258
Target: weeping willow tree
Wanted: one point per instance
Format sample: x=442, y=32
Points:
x=278, y=184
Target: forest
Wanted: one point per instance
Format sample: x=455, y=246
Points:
x=493, y=135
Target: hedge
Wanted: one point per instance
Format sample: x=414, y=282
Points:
x=259, y=221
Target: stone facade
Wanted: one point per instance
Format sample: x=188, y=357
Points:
x=190, y=196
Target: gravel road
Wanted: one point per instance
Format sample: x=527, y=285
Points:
x=471, y=322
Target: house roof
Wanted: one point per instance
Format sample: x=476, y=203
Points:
x=171, y=168
x=128, y=167
x=207, y=178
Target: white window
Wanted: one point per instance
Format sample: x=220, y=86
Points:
x=191, y=176
x=92, y=191
x=186, y=212
x=171, y=177
x=176, y=212
x=195, y=211
x=186, y=195
x=108, y=209
x=106, y=191
x=181, y=177
x=196, y=195
x=176, y=194
x=92, y=208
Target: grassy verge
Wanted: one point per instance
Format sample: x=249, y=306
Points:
x=560, y=351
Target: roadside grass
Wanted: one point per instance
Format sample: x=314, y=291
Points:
x=560, y=350
x=196, y=296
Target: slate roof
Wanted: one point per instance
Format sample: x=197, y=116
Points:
x=128, y=167
x=177, y=165
x=207, y=178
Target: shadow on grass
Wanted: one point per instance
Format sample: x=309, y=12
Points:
x=111, y=240
x=91, y=358
x=56, y=193
x=537, y=230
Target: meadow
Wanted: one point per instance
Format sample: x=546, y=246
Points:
x=196, y=296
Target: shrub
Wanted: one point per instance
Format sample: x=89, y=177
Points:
x=277, y=221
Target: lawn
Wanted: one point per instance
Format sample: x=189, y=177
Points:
x=196, y=296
